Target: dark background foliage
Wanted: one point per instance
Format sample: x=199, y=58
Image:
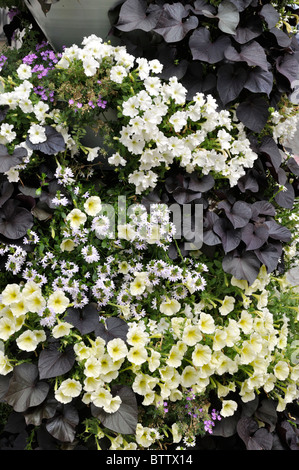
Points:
x=232, y=50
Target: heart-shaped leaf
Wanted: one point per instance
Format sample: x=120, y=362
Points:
x=204, y=49
x=228, y=16
x=269, y=256
x=270, y=15
x=55, y=142
x=251, y=30
x=253, y=113
x=63, y=425
x=46, y=410
x=254, y=236
x=288, y=66
x=14, y=220
x=8, y=161
x=85, y=320
x=230, y=237
x=286, y=197
x=238, y=213
x=209, y=236
x=259, y=81
x=114, y=327
x=134, y=15
x=124, y=420
x=253, y=54
x=278, y=232
x=52, y=362
x=6, y=191
x=172, y=23
x=269, y=147
x=230, y=82
x=25, y=390
x=243, y=266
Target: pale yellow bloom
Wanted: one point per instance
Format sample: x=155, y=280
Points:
x=71, y=388
x=117, y=349
x=35, y=302
x=27, y=341
x=281, y=370
x=7, y=328
x=170, y=307
x=61, y=329
x=67, y=245
x=228, y=305
x=76, y=218
x=201, y=355
x=191, y=335
x=93, y=206
x=228, y=408
x=58, y=301
x=11, y=294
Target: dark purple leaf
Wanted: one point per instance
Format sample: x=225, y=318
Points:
x=167, y=55
x=230, y=237
x=55, y=142
x=14, y=220
x=248, y=183
x=253, y=113
x=124, y=420
x=135, y=15
x=230, y=82
x=209, y=236
x=286, y=197
x=252, y=29
x=241, y=4
x=263, y=207
x=238, y=213
x=52, y=362
x=261, y=440
x=6, y=191
x=259, y=81
x=269, y=147
x=202, y=48
x=243, y=266
x=85, y=320
x=228, y=16
x=288, y=66
x=203, y=184
x=267, y=413
x=173, y=23
x=63, y=425
x=269, y=256
x=8, y=161
x=282, y=38
x=253, y=54
x=114, y=327
x=246, y=427
x=24, y=389
x=46, y=410
x=254, y=236
x=278, y=232
x=200, y=6
x=270, y=15
x=293, y=166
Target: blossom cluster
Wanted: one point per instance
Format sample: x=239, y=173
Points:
x=176, y=337
x=177, y=333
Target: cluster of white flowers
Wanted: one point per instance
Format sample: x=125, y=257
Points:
x=163, y=128
x=36, y=113
x=285, y=124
